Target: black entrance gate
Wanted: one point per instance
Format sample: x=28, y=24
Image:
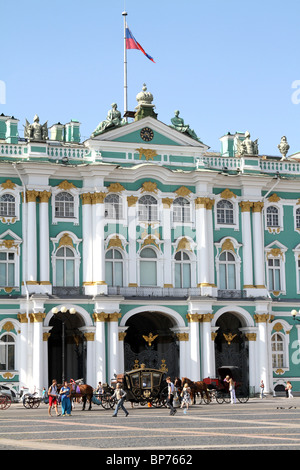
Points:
x=231, y=346
x=149, y=340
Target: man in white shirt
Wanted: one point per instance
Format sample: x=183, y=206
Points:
x=170, y=396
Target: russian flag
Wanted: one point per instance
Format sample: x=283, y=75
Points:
x=131, y=43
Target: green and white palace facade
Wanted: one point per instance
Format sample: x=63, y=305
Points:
x=139, y=245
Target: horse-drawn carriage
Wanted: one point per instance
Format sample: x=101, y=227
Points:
x=145, y=385
x=219, y=388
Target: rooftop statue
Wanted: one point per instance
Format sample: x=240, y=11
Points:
x=36, y=131
x=178, y=124
x=113, y=119
x=283, y=147
x=247, y=146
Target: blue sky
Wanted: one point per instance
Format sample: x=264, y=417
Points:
x=226, y=65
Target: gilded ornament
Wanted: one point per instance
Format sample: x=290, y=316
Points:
x=227, y=194
x=89, y=336
x=148, y=153
x=131, y=200
x=167, y=202
x=149, y=187
x=251, y=336
x=229, y=338
x=150, y=240
x=115, y=242
x=8, y=184
x=31, y=195
x=122, y=335
x=115, y=188
x=246, y=206
x=261, y=318
x=183, y=244
x=44, y=196
x=278, y=326
x=150, y=338
x=182, y=336
x=66, y=185
x=65, y=240
x=163, y=366
x=8, y=326
x=194, y=317
x=183, y=191
x=227, y=246
x=257, y=206
x=86, y=198
x=100, y=317
x=274, y=198
x=98, y=198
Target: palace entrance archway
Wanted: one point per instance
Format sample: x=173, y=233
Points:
x=66, y=347
x=150, y=340
x=231, y=345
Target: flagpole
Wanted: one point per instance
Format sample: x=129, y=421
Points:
x=125, y=67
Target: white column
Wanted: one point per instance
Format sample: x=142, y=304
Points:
x=183, y=338
x=258, y=246
x=113, y=345
x=100, y=347
x=167, y=272
x=262, y=351
x=44, y=242
x=31, y=240
x=247, y=244
x=90, y=354
x=210, y=231
x=23, y=348
x=38, y=350
x=204, y=240
x=207, y=345
x=121, y=337
x=100, y=286
x=194, y=347
x=87, y=242
x=131, y=214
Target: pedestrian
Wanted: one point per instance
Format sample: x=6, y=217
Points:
x=289, y=389
x=65, y=393
x=170, y=396
x=231, y=383
x=44, y=395
x=52, y=394
x=262, y=387
x=120, y=395
x=186, y=397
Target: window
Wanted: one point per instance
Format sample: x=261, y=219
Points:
x=274, y=277
x=7, y=269
x=277, y=345
x=64, y=205
x=65, y=267
x=114, y=268
x=148, y=208
x=181, y=210
x=7, y=352
x=113, y=206
x=182, y=270
x=272, y=216
x=298, y=218
x=225, y=212
x=7, y=206
x=148, y=268
x=227, y=271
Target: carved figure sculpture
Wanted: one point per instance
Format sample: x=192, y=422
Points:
x=247, y=146
x=178, y=124
x=36, y=131
x=113, y=119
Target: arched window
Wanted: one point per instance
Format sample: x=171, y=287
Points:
x=277, y=345
x=272, y=216
x=64, y=205
x=298, y=218
x=113, y=206
x=148, y=267
x=65, y=267
x=147, y=208
x=181, y=210
x=225, y=212
x=114, y=268
x=7, y=205
x=7, y=352
x=227, y=271
x=182, y=270
x=7, y=268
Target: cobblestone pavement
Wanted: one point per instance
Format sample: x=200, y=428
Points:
x=268, y=424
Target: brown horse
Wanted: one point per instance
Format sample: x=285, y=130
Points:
x=196, y=387
x=83, y=391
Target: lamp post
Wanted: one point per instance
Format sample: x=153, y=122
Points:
x=55, y=311
x=294, y=313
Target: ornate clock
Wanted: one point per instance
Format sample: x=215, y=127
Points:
x=147, y=134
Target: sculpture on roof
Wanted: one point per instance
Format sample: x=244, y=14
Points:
x=113, y=119
x=178, y=124
x=36, y=131
x=247, y=146
x=283, y=147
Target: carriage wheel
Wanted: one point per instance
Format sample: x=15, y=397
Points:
x=36, y=403
x=219, y=398
x=5, y=402
x=227, y=398
x=163, y=397
x=8, y=402
x=27, y=403
x=243, y=399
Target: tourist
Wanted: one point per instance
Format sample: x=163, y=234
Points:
x=231, y=383
x=170, y=396
x=289, y=389
x=186, y=397
x=52, y=394
x=65, y=394
x=120, y=395
x=262, y=387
